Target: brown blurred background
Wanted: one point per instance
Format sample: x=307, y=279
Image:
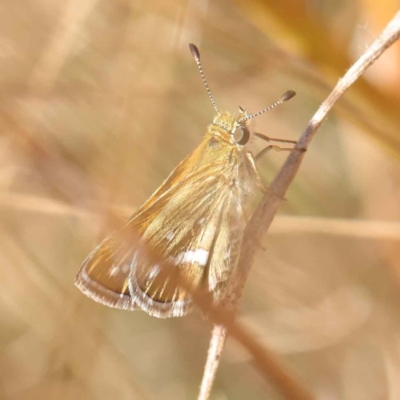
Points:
x=100, y=99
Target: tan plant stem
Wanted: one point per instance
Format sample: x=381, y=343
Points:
x=217, y=342
x=263, y=216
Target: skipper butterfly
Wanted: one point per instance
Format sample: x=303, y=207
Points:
x=194, y=221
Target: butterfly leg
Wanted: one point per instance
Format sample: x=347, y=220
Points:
x=276, y=148
x=268, y=139
x=261, y=186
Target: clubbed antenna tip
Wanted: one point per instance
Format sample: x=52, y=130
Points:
x=195, y=51
x=288, y=95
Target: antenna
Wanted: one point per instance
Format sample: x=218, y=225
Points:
x=196, y=55
x=285, y=97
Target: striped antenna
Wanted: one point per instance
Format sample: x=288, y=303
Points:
x=285, y=97
x=196, y=55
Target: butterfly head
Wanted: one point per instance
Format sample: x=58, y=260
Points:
x=233, y=125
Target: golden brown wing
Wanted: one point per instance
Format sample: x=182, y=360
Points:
x=193, y=221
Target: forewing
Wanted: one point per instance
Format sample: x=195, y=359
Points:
x=193, y=224
x=181, y=227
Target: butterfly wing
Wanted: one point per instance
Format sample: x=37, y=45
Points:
x=186, y=231
x=194, y=222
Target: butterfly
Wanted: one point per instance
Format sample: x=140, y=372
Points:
x=194, y=222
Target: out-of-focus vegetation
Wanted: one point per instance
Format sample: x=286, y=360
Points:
x=99, y=100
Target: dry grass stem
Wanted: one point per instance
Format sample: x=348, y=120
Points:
x=265, y=212
x=283, y=224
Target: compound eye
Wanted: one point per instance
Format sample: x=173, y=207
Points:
x=241, y=135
